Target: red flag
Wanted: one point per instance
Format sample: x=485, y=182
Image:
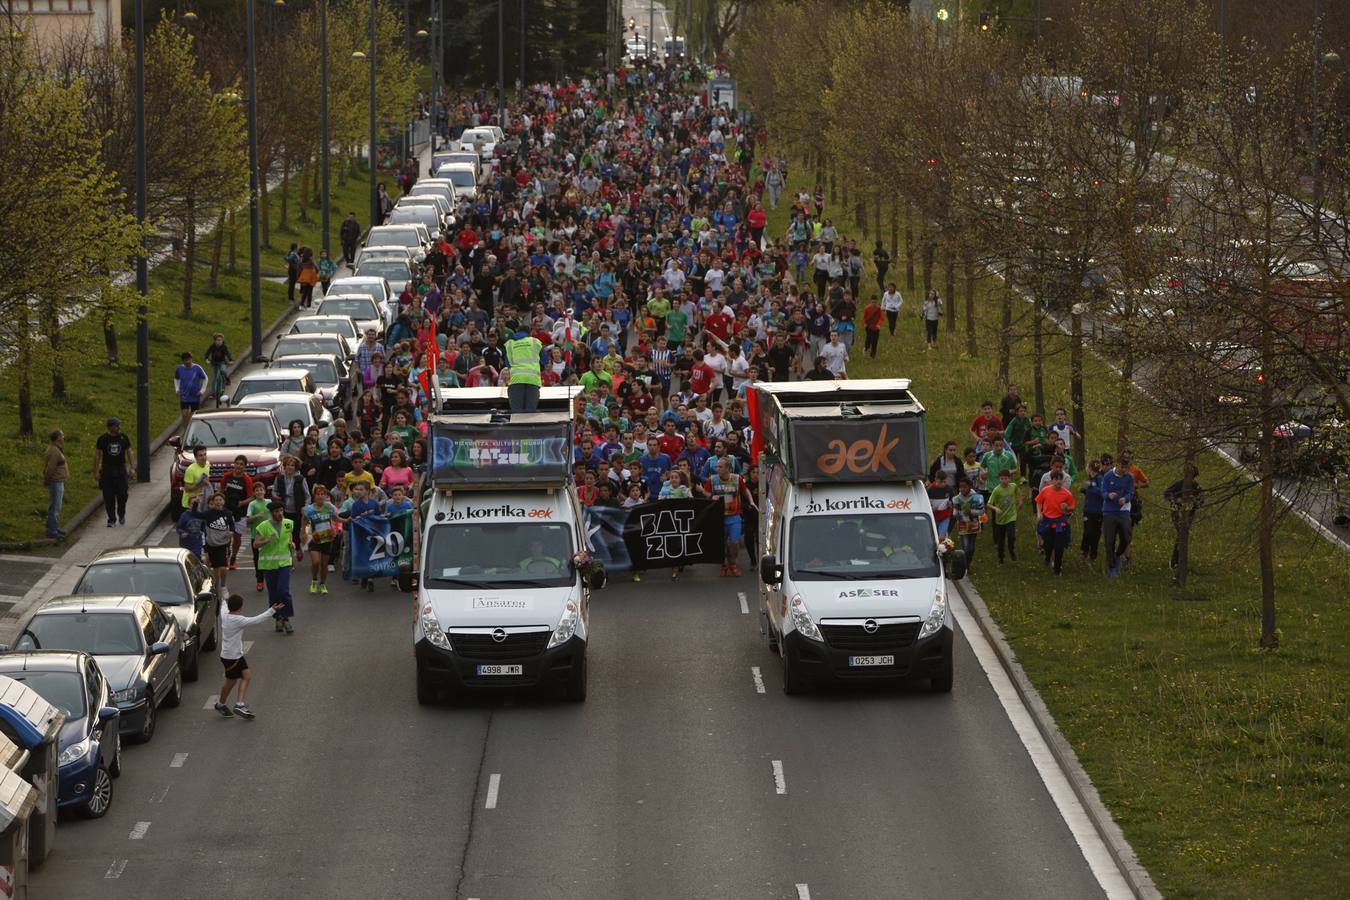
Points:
x=756, y=438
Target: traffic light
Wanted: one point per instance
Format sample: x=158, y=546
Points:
x=942, y=14
x=986, y=19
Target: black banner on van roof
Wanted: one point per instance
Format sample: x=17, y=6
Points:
x=479, y=454
x=890, y=449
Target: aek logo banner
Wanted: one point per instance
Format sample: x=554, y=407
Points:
x=858, y=451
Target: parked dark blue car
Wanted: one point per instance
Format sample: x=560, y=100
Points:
x=90, y=748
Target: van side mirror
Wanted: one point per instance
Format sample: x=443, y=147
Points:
x=770, y=572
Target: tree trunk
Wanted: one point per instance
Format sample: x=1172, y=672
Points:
x=929, y=253
x=1076, y=389
x=234, y=256
x=284, y=221
x=189, y=257
x=909, y=251
x=1123, y=397
x=949, y=263
x=968, y=270
x=264, y=213
x=860, y=212
x=876, y=218
x=306, y=190
x=214, y=279
x=342, y=164
x=53, y=329
x=1005, y=329
x=843, y=195
x=110, y=337
x=25, y=373
x=1037, y=358
x=1270, y=639
x=895, y=233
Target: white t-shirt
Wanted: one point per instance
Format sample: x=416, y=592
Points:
x=835, y=356
x=891, y=301
x=1064, y=431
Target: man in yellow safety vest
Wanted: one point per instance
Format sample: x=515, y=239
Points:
x=522, y=358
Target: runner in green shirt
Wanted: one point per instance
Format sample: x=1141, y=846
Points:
x=677, y=320
x=658, y=308
x=272, y=540
x=256, y=513
x=1004, y=502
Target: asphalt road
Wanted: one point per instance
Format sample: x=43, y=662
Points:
x=663, y=784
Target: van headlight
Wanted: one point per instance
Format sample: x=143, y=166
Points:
x=801, y=619
x=75, y=752
x=567, y=625
x=431, y=628
x=937, y=614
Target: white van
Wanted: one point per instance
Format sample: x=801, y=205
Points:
x=504, y=593
x=852, y=577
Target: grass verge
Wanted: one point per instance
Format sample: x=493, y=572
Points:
x=96, y=389
x=1225, y=765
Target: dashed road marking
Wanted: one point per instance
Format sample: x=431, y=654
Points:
x=159, y=798
x=210, y=702
x=759, y=679
x=178, y=760
x=803, y=892
x=116, y=869
x=494, y=784
x=138, y=831
x=745, y=607
x=779, y=782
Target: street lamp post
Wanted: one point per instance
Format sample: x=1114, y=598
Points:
x=501, y=63
x=142, y=270
x=323, y=118
x=374, y=180
x=520, y=84
x=1318, y=59
x=254, y=226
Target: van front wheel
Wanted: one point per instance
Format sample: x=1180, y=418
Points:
x=793, y=683
x=940, y=682
x=576, y=684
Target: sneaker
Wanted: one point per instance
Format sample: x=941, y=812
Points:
x=241, y=710
x=224, y=711
x=260, y=586
x=1112, y=572
x=637, y=576
x=122, y=520
x=112, y=523
x=279, y=626
x=674, y=574
x=370, y=585
x=726, y=570
x=233, y=565
x=323, y=588
x=313, y=587
x=735, y=571
x=290, y=629
x=332, y=568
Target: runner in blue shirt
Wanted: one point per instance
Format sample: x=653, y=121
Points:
x=189, y=382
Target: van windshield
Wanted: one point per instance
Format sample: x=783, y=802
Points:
x=500, y=554
x=852, y=547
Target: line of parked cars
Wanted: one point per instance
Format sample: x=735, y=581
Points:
x=111, y=655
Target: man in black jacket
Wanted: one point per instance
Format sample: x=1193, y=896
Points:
x=349, y=234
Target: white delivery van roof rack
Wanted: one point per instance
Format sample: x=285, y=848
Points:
x=496, y=450
x=454, y=401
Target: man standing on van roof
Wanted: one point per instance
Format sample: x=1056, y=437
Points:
x=522, y=358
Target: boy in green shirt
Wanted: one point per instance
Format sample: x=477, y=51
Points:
x=256, y=514
x=1004, y=502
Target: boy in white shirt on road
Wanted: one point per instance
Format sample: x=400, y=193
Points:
x=232, y=627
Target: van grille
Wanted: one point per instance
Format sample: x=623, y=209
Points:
x=894, y=636
x=481, y=646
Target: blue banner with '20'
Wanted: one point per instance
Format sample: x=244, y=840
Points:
x=381, y=545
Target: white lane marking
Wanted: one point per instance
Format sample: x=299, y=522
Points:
x=1098, y=858
x=159, y=798
x=745, y=608
x=759, y=679
x=248, y=645
x=210, y=702
x=494, y=784
x=138, y=831
x=178, y=760
x=116, y=869
x=803, y=892
x=779, y=782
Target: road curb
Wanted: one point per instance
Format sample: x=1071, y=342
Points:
x=1134, y=873
x=96, y=504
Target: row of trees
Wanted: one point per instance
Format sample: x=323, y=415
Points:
x=67, y=167
x=1180, y=197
